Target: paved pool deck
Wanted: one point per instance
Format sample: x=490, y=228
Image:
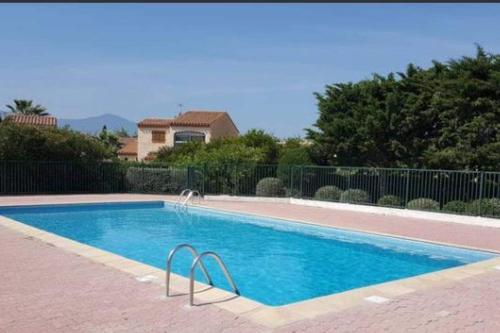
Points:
x=45, y=288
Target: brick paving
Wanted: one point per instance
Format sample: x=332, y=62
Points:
x=470, y=305
x=438, y=231
x=46, y=289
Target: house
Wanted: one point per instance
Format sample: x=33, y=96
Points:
x=128, y=150
x=189, y=126
x=33, y=120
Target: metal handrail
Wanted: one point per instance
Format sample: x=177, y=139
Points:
x=169, y=265
x=182, y=195
x=197, y=194
x=197, y=260
x=190, y=195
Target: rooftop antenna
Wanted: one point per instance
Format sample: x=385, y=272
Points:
x=180, y=106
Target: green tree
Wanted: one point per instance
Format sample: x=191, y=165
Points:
x=122, y=133
x=255, y=146
x=109, y=140
x=179, y=154
x=217, y=152
x=267, y=143
x=291, y=157
x=292, y=143
x=26, y=107
x=228, y=164
x=446, y=116
x=30, y=143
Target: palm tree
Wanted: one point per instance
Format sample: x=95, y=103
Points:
x=26, y=107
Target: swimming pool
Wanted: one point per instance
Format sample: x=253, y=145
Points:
x=274, y=262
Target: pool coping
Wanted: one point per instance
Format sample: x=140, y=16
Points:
x=268, y=316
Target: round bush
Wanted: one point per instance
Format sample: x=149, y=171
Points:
x=487, y=207
x=355, y=196
x=423, y=204
x=328, y=192
x=270, y=187
x=389, y=200
x=494, y=204
x=455, y=206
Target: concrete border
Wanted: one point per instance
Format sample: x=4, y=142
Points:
x=401, y=212
x=271, y=317
x=320, y=224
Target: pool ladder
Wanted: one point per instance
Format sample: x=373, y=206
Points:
x=189, y=194
x=197, y=261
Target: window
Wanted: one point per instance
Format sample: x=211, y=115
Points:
x=158, y=136
x=185, y=136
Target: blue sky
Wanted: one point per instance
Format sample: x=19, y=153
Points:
x=260, y=62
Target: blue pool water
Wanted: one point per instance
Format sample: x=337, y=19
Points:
x=272, y=261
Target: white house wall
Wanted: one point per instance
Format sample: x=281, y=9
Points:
x=145, y=143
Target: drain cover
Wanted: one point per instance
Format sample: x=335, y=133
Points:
x=376, y=299
x=146, y=278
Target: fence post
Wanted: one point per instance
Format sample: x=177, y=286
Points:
x=301, y=180
x=407, y=190
x=349, y=180
x=481, y=184
x=189, y=176
x=203, y=172
x=143, y=178
x=234, y=179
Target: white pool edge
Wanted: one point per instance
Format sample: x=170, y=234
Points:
x=400, y=212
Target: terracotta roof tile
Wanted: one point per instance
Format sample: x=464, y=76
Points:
x=154, y=122
x=32, y=120
x=129, y=146
x=197, y=118
x=189, y=118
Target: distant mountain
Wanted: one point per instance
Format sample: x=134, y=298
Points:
x=93, y=125
x=3, y=114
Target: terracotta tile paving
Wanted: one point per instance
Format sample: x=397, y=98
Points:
x=46, y=289
x=447, y=232
x=470, y=305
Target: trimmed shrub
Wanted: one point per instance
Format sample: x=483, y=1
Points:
x=389, y=200
x=455, y=206
x=423, y=204
x=474, y=207
x=487, y=207
x=328, y=192
x=355, y=196
x=156, y=180
x=493, y=207
x=270, y=187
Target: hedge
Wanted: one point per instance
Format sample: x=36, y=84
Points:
x=156, y=180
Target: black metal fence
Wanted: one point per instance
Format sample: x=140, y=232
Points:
x=60, y=177
x=459, y=192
